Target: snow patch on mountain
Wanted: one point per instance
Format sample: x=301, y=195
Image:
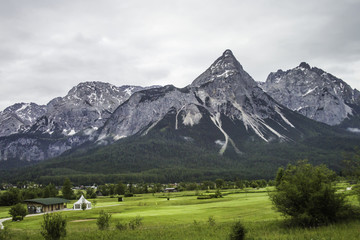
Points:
x=354, y=130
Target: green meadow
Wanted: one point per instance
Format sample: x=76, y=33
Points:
x=183, y=216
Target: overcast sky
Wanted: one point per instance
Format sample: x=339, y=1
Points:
x=47, y=47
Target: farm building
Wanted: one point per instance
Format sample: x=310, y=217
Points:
x=43, y=205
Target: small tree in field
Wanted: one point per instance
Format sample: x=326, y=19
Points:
x=53, y=226
x=83, y=206
x=18, y=212
x=307, y=196
x=238, y=231
x=103, y=221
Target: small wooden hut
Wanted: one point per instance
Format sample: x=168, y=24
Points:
x=43, y=205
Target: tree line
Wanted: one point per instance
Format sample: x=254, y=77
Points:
x=24, y=190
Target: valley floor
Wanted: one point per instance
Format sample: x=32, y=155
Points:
x=183, y=216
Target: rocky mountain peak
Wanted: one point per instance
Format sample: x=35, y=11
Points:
x=312, y=92
x=227, y=62
x=19, y=117
x=225, y=67
x=305, y=65
x=224, y=97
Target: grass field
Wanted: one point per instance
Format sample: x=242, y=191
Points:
x=183, y=217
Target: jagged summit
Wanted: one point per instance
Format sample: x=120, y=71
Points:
x=305, y=65
x=224, y=67
x=228, y=53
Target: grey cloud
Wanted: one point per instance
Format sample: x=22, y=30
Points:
x=45, y=43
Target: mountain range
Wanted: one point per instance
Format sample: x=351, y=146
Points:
x=223, y=123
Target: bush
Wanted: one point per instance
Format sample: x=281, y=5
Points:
x=356, y=189
x=218, y=194
x=204, y=197
x=211, y=221
x=121, y=226
x=17, y=218
x=4, y=234
x=83, y=206
x=128, y=194
x=103, y=221
x=135, y=223
x=53, y=226
x=306, y=195
x=18, y=212
x=238, y=231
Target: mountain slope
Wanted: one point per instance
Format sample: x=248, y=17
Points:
x=168, y=155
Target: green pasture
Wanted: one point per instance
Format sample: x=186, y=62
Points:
x=183, y=217
x=4, y=212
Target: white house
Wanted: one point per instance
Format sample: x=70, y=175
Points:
x=80, y=202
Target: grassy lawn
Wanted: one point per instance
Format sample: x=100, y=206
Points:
x=183, y=217
x=4, y=211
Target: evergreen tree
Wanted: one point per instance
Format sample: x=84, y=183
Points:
x=279, y=176
x=50, y=191
x=67, y=192
x=120, y=188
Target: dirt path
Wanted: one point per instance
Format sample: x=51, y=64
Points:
x=1, y=222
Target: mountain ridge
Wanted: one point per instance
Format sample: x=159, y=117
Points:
x=223, y=111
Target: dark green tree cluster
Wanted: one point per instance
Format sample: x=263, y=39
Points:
x=352, y=169
x=352, y=164
x=307, y=196
x=90, y=193
x=17, y=195
x=122, y=189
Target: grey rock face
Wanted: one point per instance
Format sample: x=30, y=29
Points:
x=66, y=122
x=224, y=89
x=143, y=110
x=84, y=109
x=19, y=117
x=34, y=148
x=357, y=96
x=312, y=92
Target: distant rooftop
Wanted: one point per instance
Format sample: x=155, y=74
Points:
x=47, y=201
